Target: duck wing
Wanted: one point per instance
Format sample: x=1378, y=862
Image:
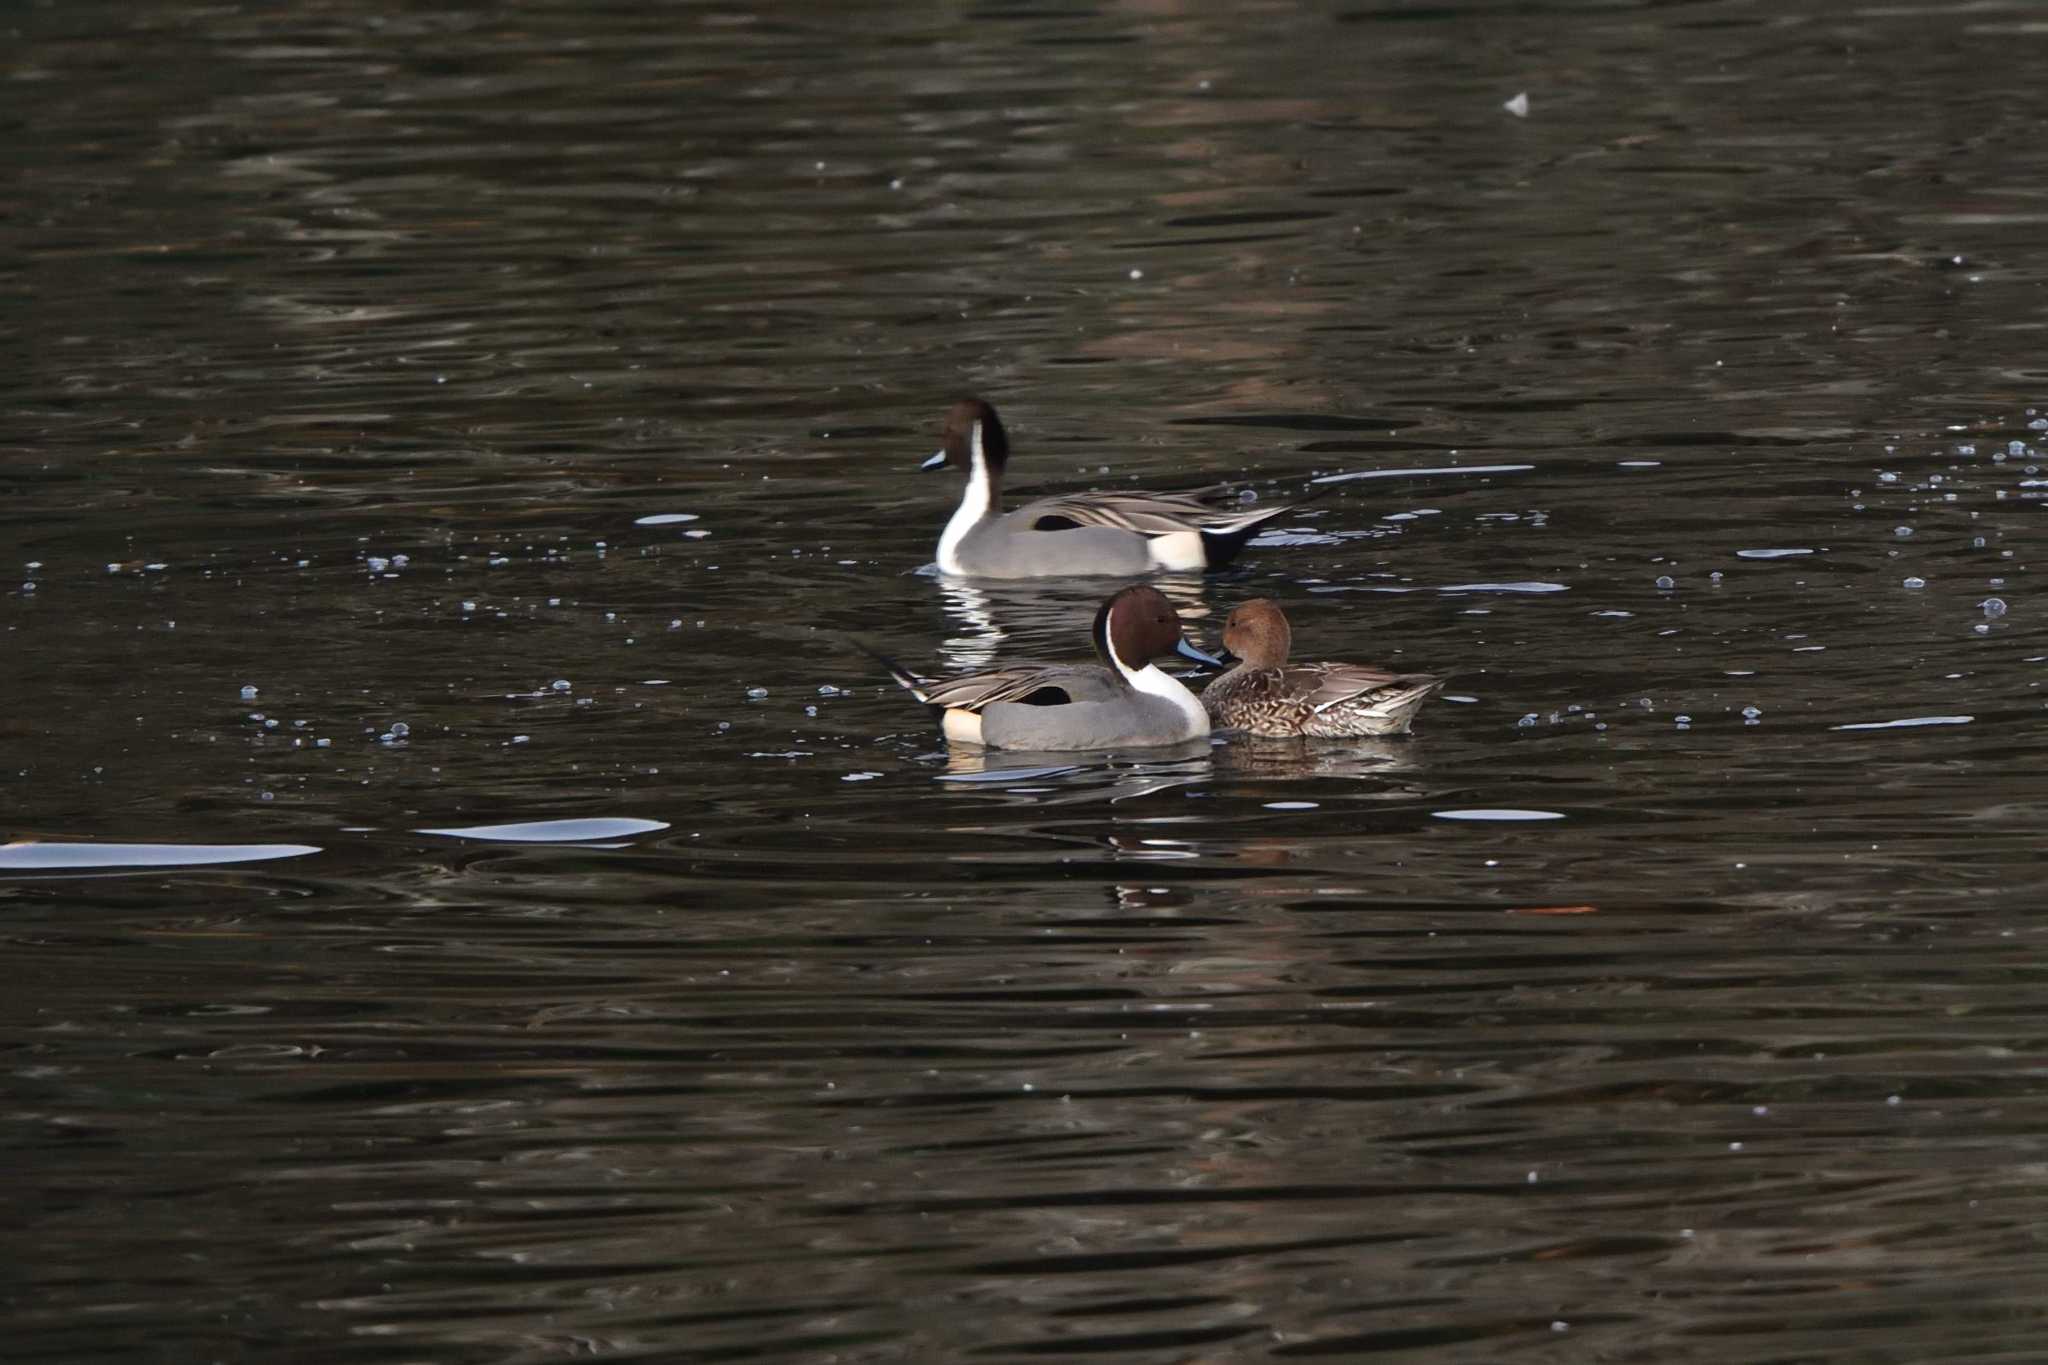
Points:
x=1323, y=687
x=1146, y=514
x=1030, y=684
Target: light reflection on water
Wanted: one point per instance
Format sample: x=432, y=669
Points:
x=1668, y=996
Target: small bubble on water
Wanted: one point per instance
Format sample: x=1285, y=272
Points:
x=28, y=587
x=756, y=693
x=724, y=725
x=1752, y=714
x=2016, y=448
x=1526, y=722
x=1885, y=476
x=1666, y=582
x=1994, y=607
x=1914, y=582
x=249, y=692
x=469, y=606
x=1902, y=531
x=560, y=684
x=323, y=743
x=1966, y=450
x=811, y=710
x=1682, y=722
x=521, y=739
x=1982, y=628
x=1137, y=274
x=378, y=564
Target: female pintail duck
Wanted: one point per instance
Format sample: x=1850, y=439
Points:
x=1078, y=533
x=1263, y=695
x=1123, y=702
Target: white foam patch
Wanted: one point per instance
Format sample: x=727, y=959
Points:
x=52, y=857
x=1411, y=473
x=1910, y=722
x=1501, y=814
x=1528, y=586
x=552, y=831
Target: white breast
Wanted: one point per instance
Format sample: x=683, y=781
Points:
x=1151, y=681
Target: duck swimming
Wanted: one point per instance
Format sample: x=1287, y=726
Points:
x=1264, y=695
x=1075, y=533
x=1124, y=701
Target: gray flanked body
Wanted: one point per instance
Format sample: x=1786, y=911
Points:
x=1007, y=547
x=1137, y=721
x=1119, y=534
x=1124, y=702
x=1265, y=695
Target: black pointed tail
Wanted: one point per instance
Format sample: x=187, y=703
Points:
x=1220, y=547
x=905, y=679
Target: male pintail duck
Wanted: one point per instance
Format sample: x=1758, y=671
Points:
x=1263, y=695
x=1123, y=702
x=1078, y=533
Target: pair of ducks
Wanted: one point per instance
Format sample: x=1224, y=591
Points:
x=1125, y=700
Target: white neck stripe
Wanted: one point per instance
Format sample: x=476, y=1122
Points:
x=977, y=504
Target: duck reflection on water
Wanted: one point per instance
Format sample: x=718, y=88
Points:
x=989, y=614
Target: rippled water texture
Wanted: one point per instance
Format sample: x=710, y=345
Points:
x=468, y=900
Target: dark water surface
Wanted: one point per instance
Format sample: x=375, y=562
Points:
x=1675, y=994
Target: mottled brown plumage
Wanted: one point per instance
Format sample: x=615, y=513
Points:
x=1264, y=695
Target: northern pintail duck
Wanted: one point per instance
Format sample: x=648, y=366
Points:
x=1076, y=533
x=1263, y=695
x=1123, y=702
